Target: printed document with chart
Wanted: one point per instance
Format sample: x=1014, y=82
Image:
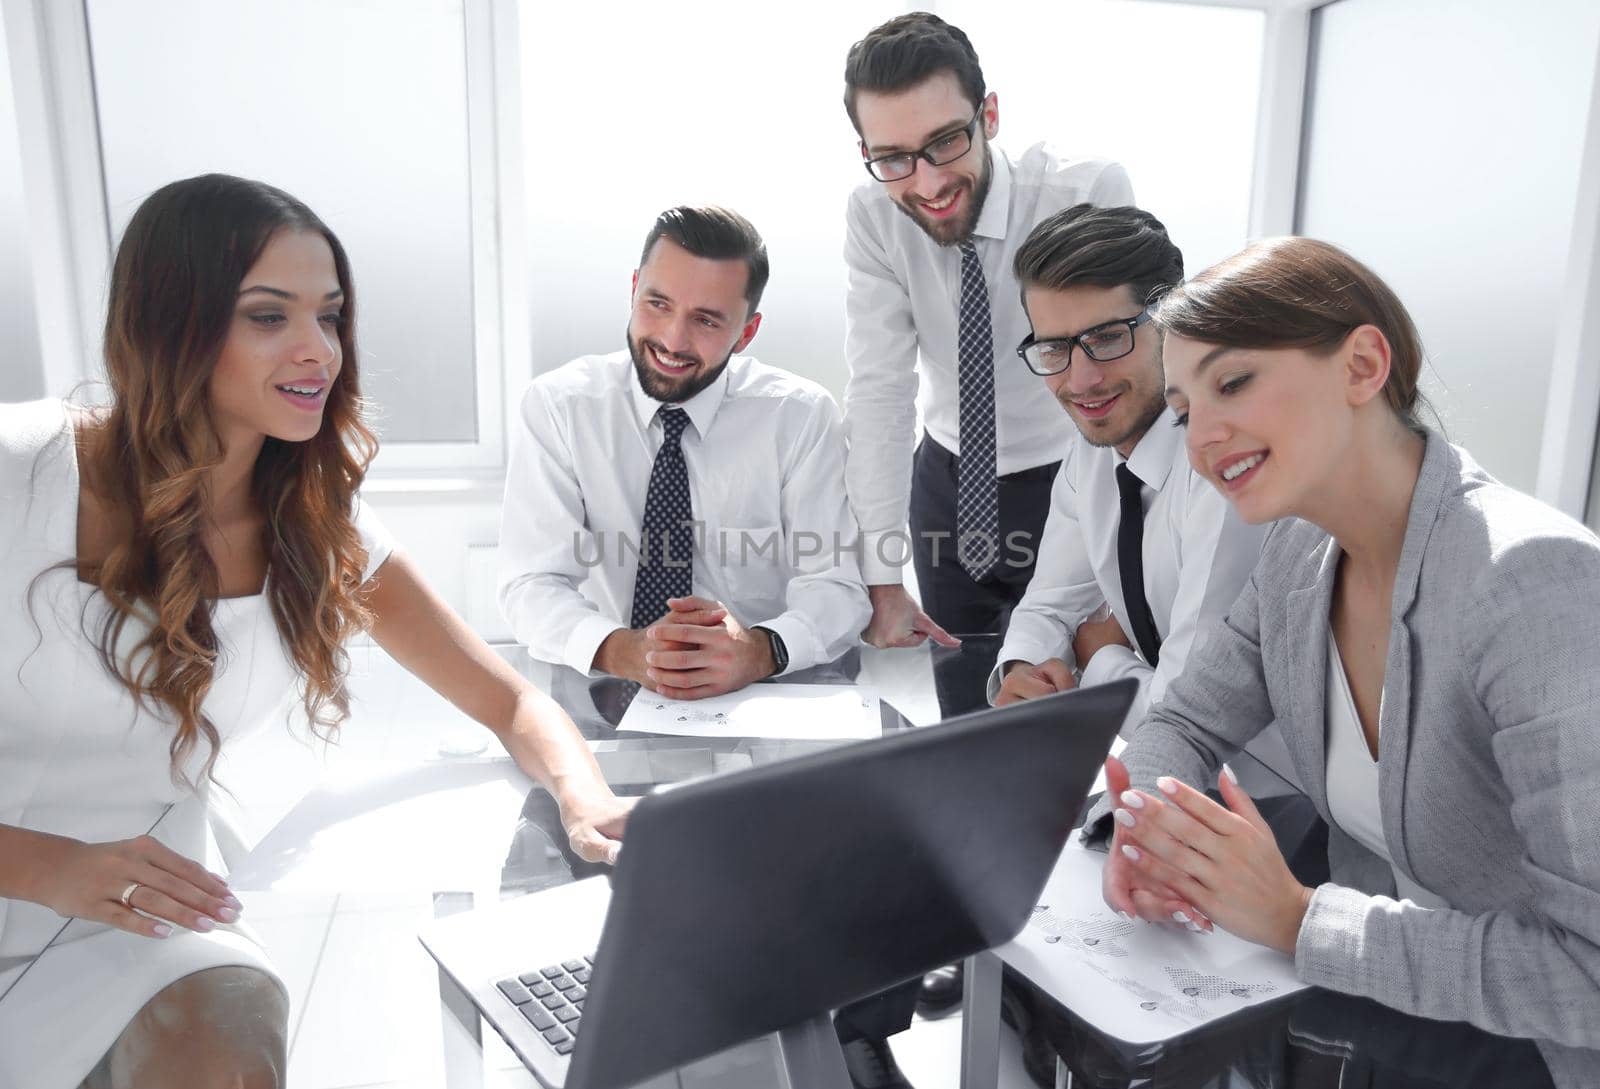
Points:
x=817, y=712
x=1137, y=982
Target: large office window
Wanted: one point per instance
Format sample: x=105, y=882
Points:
x=705, y=103
x=362, y=111
x=21, y=375
x=1442, y=148
x=711, y=102
x=1168, y=90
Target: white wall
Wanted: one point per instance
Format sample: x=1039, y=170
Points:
x=1168, y=90
x=21, y=377
x=1443, y=149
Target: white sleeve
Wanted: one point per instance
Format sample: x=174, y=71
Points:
x=1219, y=552
x=1113, y=188
x=1062, y=592
x=375, y=537
x=827, y=605
x=543, y=534
x=880, y=398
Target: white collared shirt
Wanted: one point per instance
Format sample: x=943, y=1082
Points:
x=902, y=306
x=774, y=536
x=1197, y=556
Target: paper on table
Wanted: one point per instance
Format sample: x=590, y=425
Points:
x=1135, y=981
x=822, y=712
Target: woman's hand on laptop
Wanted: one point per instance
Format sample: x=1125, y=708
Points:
x=594, y=823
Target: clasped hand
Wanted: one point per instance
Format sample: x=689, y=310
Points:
x=1179, y=857
x=698, y=649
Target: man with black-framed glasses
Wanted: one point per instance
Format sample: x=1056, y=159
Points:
x=1139, y=550
x=932, y=310
x=1141, y=555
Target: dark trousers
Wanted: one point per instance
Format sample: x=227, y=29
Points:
x=962, y=606
x=955, y=601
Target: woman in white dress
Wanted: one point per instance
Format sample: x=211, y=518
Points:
x=1428, y=642
x=178, y=569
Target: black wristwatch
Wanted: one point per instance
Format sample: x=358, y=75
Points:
x=780, y=653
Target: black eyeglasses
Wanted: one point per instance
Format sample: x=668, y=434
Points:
x=1102, y=344
x=938, y=152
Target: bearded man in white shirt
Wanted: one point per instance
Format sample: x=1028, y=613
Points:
x=675, y=513
x=932, y=302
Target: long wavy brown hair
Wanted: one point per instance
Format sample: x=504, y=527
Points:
x=174, y=287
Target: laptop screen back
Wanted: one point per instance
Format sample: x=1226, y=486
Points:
x=751, y=902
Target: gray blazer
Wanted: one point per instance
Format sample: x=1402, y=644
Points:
x=1489, y=757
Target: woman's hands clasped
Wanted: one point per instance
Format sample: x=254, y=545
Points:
x=88, y=881
x=1180, y=852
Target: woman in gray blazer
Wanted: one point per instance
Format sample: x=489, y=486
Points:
x=1427, y=640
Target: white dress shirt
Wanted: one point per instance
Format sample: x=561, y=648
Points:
x=774, y=540
x=1197, y=556
x=902, y=306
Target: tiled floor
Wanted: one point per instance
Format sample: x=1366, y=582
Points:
x=364, y=995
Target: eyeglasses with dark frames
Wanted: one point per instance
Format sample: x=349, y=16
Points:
x=1103, y=344
x=940, y=151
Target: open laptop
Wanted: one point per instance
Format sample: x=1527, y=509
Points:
x=750, y=902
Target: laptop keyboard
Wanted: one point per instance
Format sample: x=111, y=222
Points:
x=551, y=998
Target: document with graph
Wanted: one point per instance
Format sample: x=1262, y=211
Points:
x=838, y=712
x=1137, y=982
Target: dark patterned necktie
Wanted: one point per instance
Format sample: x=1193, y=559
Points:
x=666, y=537
x=1130, y=561
x=977, y=489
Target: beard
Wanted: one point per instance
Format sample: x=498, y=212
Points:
x=953, y=232
x=1147, y=408
x=670, y=391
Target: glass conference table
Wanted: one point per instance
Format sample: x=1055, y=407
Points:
x=1313, y=1039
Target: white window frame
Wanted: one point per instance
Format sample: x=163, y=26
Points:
x=71, y=244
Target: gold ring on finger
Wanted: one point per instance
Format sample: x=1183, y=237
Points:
x=127, y=895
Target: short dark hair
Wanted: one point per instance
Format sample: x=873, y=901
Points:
x=717, y=233
x=905, y=51
x=1100, y=247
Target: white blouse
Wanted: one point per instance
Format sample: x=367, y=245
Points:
x=1353, y=799
x=78, y=758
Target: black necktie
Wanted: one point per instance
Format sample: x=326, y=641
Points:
x=1130, y=560
x=666, y=537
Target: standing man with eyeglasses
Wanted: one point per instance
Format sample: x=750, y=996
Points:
x=933, y=308
x=932, y=304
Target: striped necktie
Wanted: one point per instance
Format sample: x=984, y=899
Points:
x=977, y=489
